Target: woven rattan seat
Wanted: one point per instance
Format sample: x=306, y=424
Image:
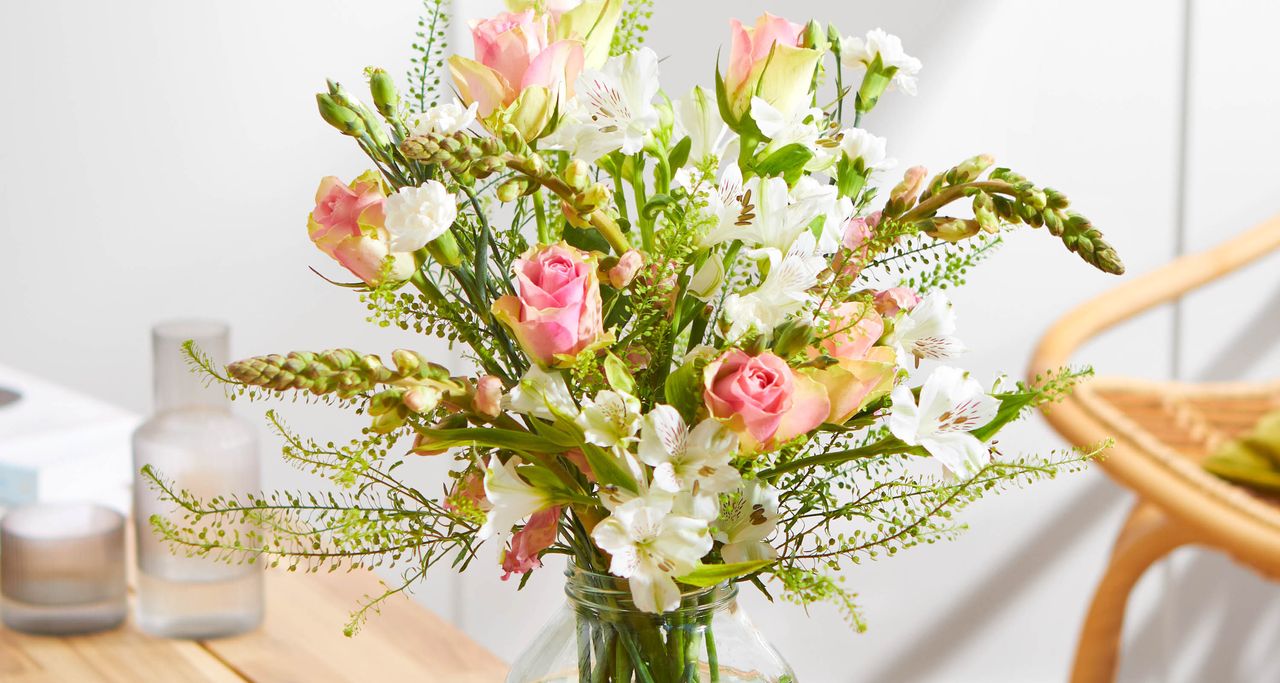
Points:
x=1162, y=431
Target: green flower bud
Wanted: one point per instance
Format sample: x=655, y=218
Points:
x=984, y=211
x=444, y=249
x=383, y=89
x=340, y=117
x=792, y=337
x=593, y=197
x=407, y=362
x=814, y=37
x=578, y=175
x=969, y=169
x=952, y=229
x=388, y=422
x=510, y=190
x=384, y=402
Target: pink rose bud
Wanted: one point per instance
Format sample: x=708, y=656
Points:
x=514, y=52
x=751, y=50
x=537, y=535
x=556, y=312
x=890, y=301
x=761, y=398
x=347, y=224
x=488, y=401
x=622, y=274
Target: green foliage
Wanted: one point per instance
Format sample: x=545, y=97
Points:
x=632, y=26
x=432, y=41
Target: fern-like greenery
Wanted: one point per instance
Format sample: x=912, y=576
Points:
x=429, y=47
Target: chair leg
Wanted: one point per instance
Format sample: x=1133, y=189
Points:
x=1148, y=535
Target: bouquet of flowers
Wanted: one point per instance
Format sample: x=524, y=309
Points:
x=704, y=342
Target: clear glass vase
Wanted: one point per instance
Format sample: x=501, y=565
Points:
x=600, y=637
x=194, y=441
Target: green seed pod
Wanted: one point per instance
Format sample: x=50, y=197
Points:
x=791, y=338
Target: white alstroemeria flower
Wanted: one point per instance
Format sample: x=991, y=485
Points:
x=618, y=99
x=776, y=218
x=951, y=405
x=541, y=394
x=784, y=129
x=511, y=497
x=611, y=419
x=784, y=291
x=699, y=118
x=444, y=119
x=824, y=200
x=576, y=135
x=724, y=203
x=859, y=53
x=650, y=545
x=416, y=216
x=707, y=279
x=684, y=460
x=746, y=520
x=858, y=145
x=925, y=331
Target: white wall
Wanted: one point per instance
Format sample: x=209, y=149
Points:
x=159, y=160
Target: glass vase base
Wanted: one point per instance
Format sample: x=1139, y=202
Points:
x=197, y=610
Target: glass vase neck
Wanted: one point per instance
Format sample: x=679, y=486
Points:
x=177, y=385
x=604, y=594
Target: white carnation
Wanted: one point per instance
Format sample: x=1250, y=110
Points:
x=445, y=119
x=859, y=53
x=416, y=216
x=857, y=143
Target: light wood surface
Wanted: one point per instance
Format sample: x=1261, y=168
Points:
x=300, y=641
x=1162, y=431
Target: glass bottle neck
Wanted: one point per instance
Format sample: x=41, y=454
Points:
x=605, y=595
x=177, y=385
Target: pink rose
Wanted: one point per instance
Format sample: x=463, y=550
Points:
x=514, y=55
x=774, y=43
x=526, y=544
x=488, y=400
x=751, y=46
x=762, y=399
x=863, y=372
x=347, y=224
x=556, y=313
x=890, y=301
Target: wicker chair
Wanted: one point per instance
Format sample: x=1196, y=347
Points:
x=1162, y=431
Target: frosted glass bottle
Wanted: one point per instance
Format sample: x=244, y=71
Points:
x=194, y=441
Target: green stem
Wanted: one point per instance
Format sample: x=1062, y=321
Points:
x=931, y=205
x=889, y=445
x=540, y=213
x=638, y=189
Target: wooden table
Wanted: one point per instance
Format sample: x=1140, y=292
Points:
x=300, y=641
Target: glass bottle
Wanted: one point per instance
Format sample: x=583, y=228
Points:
x=600, y=636
x=195, y=442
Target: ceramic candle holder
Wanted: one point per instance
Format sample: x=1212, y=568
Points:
x=62, y=568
